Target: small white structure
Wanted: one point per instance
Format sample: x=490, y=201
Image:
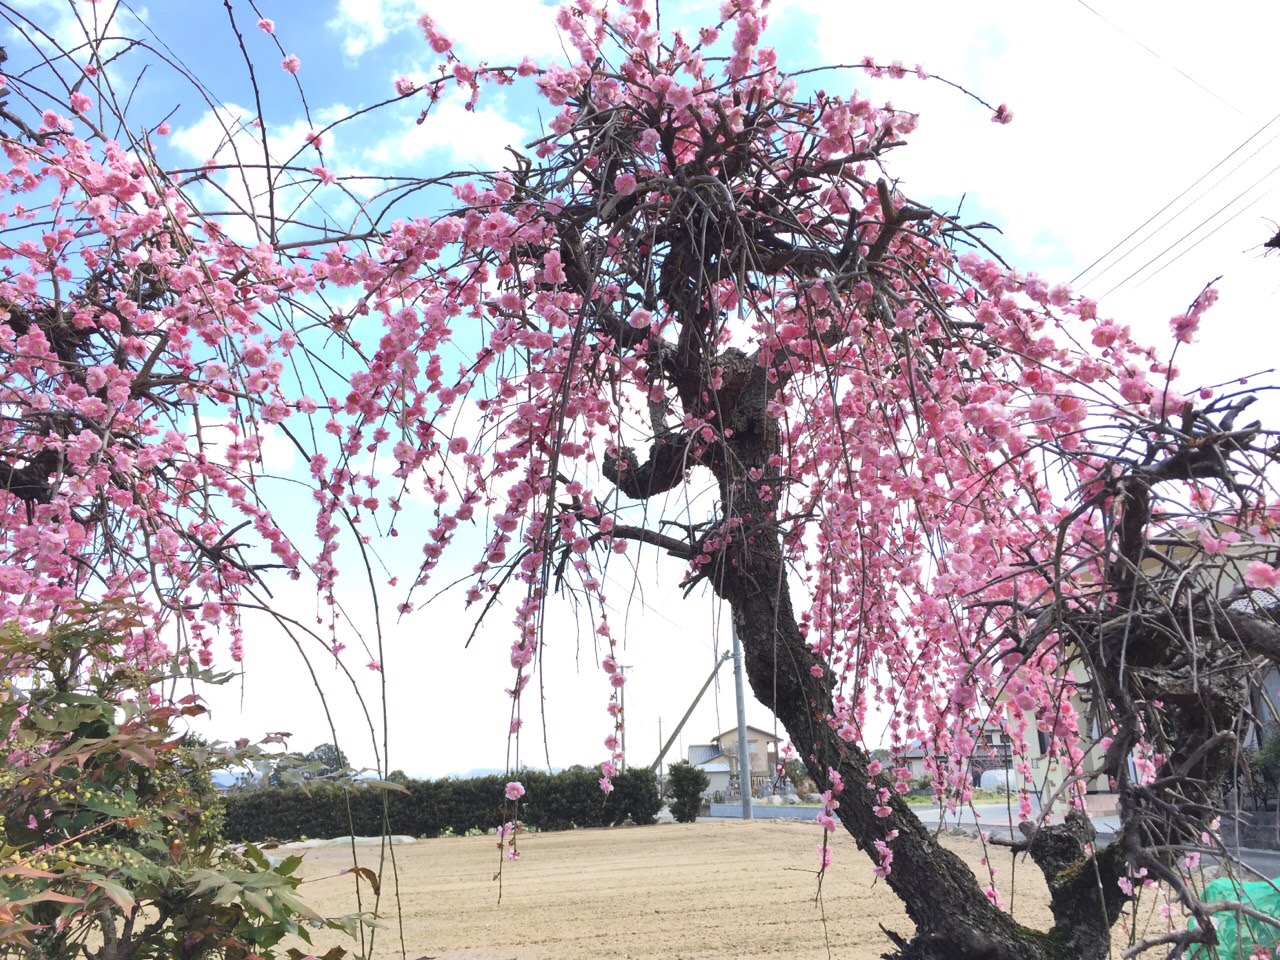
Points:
x=718, y=768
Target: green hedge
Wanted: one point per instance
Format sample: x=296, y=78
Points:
x=685, y=784
x=559, y=801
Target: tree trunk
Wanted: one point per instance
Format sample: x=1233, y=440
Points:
x=954, y=918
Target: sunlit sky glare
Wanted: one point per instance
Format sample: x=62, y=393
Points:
x=1120, y=110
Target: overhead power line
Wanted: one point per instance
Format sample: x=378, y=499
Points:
x=1270, y=173
x=1176, y=69
x=1117, y=261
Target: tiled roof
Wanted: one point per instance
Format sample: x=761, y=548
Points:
x=702, y=752
x=1259, y=600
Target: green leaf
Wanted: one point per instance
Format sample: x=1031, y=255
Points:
x=80, y=699
x=111, y=806
x=44, y=895
x=255, y=856
x=288, y=865
x=258, y=902
x=333, y=953
x=296, y=905
x=209, y=880
x=121, y=897
x=18, y=870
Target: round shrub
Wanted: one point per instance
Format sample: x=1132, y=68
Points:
x=685, y=784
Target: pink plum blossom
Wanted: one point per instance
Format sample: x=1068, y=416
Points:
x=1261, y=575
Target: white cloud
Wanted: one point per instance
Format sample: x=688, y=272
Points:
x=476, y=138
x=363, y=24
x=225, y=135
x=228, y=136
x=72, y=26
x=230, y=133
x=497, y=31
x=277, y=455
x=216, y=131
x=500, y=31
x=1104, y=134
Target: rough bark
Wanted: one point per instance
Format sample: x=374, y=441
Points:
x=953, y=916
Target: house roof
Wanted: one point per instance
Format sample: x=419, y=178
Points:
x=1260, y=600
x=915, y=749
x=701, y=753
x=730, y=736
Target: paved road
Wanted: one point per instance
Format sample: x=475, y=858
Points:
x=996, y=818
x=1001, y=820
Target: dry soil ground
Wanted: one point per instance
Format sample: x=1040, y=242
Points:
x=713, y=889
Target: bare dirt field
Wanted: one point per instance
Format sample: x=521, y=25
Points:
x=712, y=889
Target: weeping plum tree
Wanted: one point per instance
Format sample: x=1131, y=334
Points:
x=922, y=478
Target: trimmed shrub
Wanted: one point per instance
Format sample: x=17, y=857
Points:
x=429, y=808
x=568, y=799
x=685, y=784
x=635, y=795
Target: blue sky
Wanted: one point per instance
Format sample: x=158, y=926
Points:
x=1118, y=108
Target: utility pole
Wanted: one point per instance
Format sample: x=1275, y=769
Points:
x=622, y=705
x=687, y=714
x=744, y=757
x=659, y=748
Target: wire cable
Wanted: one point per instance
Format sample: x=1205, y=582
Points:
x=1176, y=69
x=1270, y=173
x=1185, y=209
x=1129, y=36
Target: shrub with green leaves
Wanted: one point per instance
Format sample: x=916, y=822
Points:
x=109, y=818
x=685, y=784
x=569, y=799
x=635, y=795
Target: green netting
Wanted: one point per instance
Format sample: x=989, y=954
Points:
x=1239, y=934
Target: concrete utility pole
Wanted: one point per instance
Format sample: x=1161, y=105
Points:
x=744, y=757
x=662, y=752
